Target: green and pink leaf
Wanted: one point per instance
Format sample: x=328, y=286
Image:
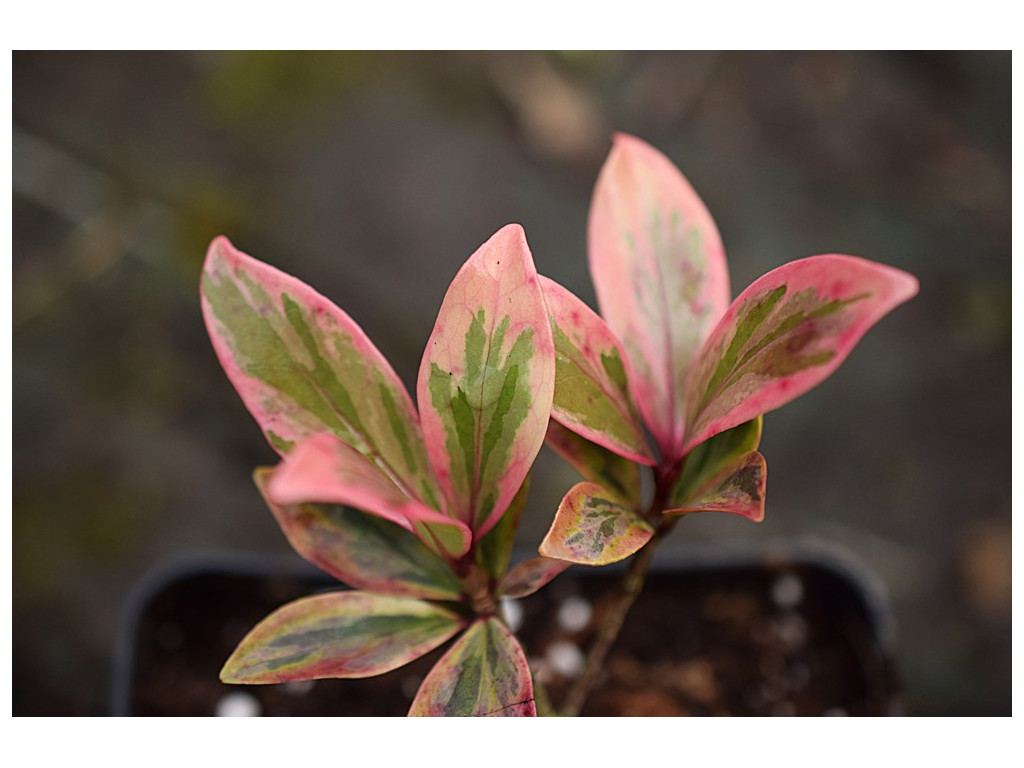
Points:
x=303, y=367
x=340, y=634
x=659, y=270
x=619, y=476
x=786, y=333
x=486, y=381
x=592, y=527
x=363, y=550
x=323, y=469
x=591, y=381
x=483, y=674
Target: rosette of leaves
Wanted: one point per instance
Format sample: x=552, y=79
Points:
x=416, y=510
x=672, y=358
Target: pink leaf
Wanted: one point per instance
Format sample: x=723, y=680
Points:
x=340, y=634
x=363, y=550
x=483, y=674
x=659, y=270
x=591, y=381
x=486, y=380
x=786, y=333
x=303, y=367
x=324, y=469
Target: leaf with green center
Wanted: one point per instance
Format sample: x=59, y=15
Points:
x=591, y=387
x=495, y=548
x=619, y=475
x=362, y=550
x=738, y=487
x=712, y=456
x=661, y=279
x=786, y=333
x=326, y=470
x=486, y=381
x=529, y=576
x=483, y=674
x=591, y=528
x=303, y=367
x=340, y=634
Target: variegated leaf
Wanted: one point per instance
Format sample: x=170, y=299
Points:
x=495, y=548
x=786, y=333
x=619, y=476
x=529, y=576
x=659, y=270
x=324, y=469
x=483, y=674
x=339, y=634
x=362, y=550
x=712, y=456
x=591, y=383
x=303, y=367
x=486, y=381
x=591, y=528
x=738, y=487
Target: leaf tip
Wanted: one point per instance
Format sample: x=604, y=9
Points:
x=623, y=140
x=229, y=672
x=513, y=230
x=907, y=286
x=220, y=247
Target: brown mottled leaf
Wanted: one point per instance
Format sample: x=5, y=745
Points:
x=592, y=528
x=529, y=576
x=737, y=487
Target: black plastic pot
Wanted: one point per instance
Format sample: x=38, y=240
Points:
x=792, y=629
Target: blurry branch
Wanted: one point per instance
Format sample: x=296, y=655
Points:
x=106, y=224
x=558, y=118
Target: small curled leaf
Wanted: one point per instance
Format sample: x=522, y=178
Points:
x=592, y=528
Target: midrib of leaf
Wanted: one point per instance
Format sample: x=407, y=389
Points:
x=666, y=324
x=492, y=371
x=478, y=425
x=474, y=485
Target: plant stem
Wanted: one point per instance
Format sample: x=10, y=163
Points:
x=628, y=591
x=622, y=600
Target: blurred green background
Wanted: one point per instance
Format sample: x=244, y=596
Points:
x=372, y=176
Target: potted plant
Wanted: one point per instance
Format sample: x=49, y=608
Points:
x=416, y=506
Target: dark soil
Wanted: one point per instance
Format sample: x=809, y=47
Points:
x=797, y=639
